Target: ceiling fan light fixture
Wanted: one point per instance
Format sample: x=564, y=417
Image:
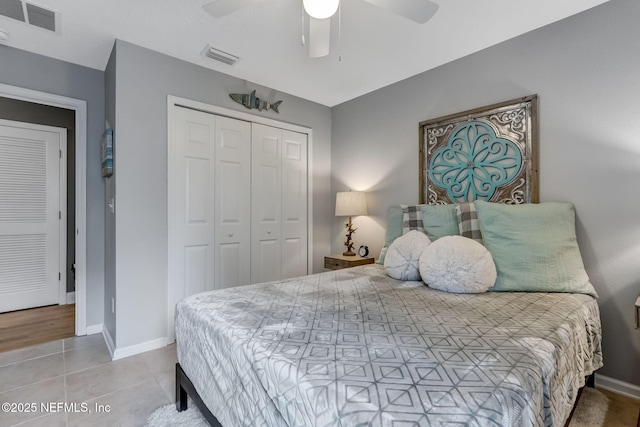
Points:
x=321, y=9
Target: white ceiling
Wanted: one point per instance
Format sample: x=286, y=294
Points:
x=378, y=47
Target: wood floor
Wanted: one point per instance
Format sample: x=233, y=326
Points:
x=623, y=411
x=25, y=328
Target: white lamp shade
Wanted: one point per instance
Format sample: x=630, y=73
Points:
x=321, y=9
x=351, y=203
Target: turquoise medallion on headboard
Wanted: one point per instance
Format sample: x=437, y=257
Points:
x=483, y=154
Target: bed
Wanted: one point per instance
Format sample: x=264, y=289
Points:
x=357, y=347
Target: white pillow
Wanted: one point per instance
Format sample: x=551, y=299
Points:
x=457, y=264
x=403, y=255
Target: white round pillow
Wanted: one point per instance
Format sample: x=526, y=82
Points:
x=403, y=255
x=457, y=264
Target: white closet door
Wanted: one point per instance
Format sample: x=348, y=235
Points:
x=294, y=204
x=191, y=198
x=232, y=202
x=29, y=215
x=266, y=202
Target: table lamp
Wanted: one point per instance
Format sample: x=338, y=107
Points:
x=350, y=203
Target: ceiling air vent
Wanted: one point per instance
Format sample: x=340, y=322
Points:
x=41, y=17
x=12, y=9
x=31, y=14
x=219, y=55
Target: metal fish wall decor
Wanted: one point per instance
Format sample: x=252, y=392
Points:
x=250, y=100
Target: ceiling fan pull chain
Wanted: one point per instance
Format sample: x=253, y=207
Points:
x=340, y=32
x=302, y=40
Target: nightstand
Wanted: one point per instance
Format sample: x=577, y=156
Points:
x=336, y=262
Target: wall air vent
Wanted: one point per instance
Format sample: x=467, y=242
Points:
x=219, y=55
x=31, y=14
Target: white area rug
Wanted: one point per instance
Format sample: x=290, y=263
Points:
x=591, y=409
x=590, y=412
x=168, y=416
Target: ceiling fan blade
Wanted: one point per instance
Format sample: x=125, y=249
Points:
x=419, y=11
x=319, y=37
x=220, y=8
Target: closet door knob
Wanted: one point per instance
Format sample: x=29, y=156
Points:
x=230, y=234
x=269, y=231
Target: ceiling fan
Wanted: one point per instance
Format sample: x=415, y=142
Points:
x=320, y=12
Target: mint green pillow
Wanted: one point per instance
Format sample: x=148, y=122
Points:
x=534, y=247
x=394, y=225
x=394, y=230
x=438, y=220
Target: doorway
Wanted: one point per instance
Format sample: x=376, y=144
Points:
x=79, y=108
x=217, y=184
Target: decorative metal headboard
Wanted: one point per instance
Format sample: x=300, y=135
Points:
x=489, y=153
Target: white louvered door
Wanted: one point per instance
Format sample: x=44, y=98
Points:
x=30, y=217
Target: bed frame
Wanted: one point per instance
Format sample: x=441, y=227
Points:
x=184, y=388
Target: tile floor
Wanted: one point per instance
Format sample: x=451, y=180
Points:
x=77, y=370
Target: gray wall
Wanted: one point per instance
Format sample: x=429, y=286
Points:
x=586, y=72
x=110, y=193
x=36, y=72
x=23, y=111
x=143, y=79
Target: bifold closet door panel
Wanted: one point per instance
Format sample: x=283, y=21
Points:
x=191, y=194
x=294, y=204
x=232, y=202
x=266, y=203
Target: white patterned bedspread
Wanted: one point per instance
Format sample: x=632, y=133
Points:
x=354, y=347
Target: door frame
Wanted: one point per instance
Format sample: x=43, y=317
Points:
x=174, y=102
x=80, y=108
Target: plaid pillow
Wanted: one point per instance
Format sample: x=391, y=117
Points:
x=468, y=223
x=412, y=219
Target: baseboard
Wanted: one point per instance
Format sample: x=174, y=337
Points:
x=131, y=350
x=109, y=341
x=94, y=329
x=121, y=353
x=617, y=386
x=71, y=297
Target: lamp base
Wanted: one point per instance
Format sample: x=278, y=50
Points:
x=349, y=242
